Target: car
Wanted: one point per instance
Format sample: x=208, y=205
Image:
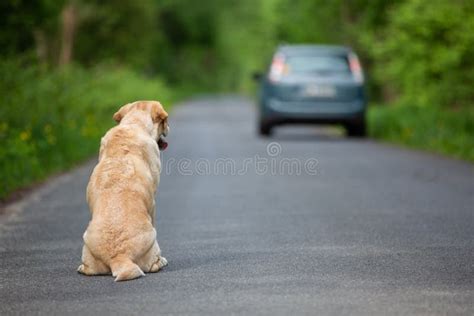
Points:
x=321, y=84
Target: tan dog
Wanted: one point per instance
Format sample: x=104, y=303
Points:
x=121, y=237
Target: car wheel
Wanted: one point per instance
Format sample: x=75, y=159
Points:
x=264, y=129
x=357, y=129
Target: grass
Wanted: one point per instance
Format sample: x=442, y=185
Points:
x=52, y=120
x=444, y=131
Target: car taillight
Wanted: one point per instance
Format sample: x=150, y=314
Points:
x=278, y=68
x=356, y=68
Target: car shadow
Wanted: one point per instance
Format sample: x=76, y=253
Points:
x=309, y=133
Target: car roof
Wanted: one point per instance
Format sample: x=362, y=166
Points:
x=313, y=49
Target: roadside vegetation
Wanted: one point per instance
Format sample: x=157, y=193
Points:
x=422, y=64
x=53, y=120
x=66, y=65
x=437, y=129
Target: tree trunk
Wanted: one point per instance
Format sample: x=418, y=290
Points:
x=68, y=30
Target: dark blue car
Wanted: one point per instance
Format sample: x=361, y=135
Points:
x=313, y=84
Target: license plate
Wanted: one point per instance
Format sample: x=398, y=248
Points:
x=324, y=91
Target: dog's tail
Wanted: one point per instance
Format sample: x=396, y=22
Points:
x=124, y=269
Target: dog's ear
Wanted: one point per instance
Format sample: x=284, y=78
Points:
x=166, y=127
x=158, y=113
x=118, y=116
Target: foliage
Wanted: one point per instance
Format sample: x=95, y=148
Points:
x=415, y=51
x=423, y=59
x=425, y=53
x=50, y=121
x=20, y=20
x=122, y=33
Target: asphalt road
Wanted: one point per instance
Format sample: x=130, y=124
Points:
x=362, y=228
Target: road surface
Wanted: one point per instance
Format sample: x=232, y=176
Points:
x=352, y=227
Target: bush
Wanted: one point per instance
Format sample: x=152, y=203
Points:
x=431, y=128
x=50, y=121
x=425, y=53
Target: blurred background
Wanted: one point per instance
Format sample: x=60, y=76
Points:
x=66, y=66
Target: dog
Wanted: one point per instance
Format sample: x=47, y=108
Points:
x=121, y=237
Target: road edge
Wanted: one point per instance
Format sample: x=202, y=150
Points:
x=14, y=208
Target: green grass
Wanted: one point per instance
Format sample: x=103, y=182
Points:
x=52, y=120
x=448, y=132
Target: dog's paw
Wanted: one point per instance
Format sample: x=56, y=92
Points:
x=80, y=269
x=163, y=262
x=159, y=264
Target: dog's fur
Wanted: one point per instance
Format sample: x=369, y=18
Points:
x=121, y=236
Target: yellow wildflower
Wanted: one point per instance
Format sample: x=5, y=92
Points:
x=25, y=135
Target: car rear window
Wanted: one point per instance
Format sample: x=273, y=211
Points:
x=317, y=64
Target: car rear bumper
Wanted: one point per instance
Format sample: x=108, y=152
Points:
x=308, y=111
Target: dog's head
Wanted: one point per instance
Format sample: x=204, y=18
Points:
x=154, y=110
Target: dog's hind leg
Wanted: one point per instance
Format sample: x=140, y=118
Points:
x=152, y=261
x=90, y=265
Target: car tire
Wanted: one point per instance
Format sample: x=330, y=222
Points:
x=264, y=128
x=357, y=129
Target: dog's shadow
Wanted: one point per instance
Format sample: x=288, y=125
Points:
x=202, y=261
x=179, y=264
